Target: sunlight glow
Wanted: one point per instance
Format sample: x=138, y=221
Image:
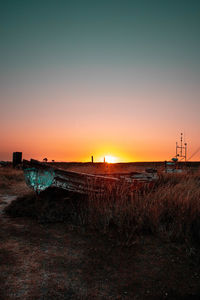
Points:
x=110, y=159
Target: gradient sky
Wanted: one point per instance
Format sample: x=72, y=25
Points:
x=109, y=77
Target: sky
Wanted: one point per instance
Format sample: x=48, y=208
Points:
x=81, y=78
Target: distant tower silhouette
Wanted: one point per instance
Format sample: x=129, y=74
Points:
x=17, y=158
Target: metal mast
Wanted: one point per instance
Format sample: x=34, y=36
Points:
x=181, y=151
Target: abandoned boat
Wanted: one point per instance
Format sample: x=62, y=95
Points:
x=40, y=176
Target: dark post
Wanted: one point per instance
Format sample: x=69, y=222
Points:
x=17, y=158
x=92, y=158
x=165, y=166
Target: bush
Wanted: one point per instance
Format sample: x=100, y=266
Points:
x=52, y=205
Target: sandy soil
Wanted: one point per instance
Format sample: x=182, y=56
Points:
x=57, y=261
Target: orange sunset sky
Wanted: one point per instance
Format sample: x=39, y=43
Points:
x=98, y=79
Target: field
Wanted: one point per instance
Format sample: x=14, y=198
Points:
x=61, y=246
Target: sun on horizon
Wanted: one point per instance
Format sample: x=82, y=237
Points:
x=110, y=159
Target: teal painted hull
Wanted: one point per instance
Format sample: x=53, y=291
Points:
x=39, y=180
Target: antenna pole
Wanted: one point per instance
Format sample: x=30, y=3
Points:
x=185, y=151
x=181, y=144
x=181, y=151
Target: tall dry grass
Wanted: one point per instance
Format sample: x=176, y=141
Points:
x=171, y=209
x=9, y=176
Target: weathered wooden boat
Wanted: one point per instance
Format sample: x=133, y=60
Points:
x=40, y=176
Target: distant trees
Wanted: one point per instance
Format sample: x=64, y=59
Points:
x=46, y=160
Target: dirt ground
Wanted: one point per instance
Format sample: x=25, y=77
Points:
x=59, y=261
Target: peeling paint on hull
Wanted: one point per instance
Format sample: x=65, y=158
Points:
x=39, y=180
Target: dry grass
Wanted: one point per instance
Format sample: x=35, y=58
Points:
x=10, y=176
x=171, y=209
x=57, y=261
